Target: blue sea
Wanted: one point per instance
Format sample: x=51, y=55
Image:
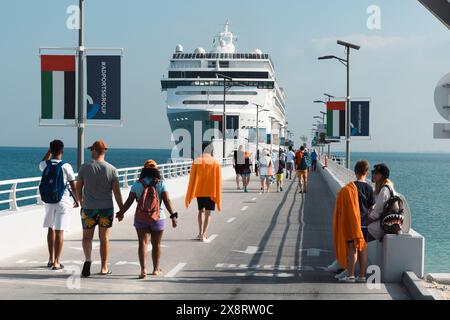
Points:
x=422, y=178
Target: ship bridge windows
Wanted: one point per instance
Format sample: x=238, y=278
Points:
x=212, y=74
x=224, y=64
x=212, y=64
x=214, y=102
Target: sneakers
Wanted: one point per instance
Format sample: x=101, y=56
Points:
x=348, y=280
x=361, y=280
x=334, y=267
x=341, y=275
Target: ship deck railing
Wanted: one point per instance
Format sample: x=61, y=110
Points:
x=22, y=192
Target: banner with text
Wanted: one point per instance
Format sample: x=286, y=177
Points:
x=103, y=88
x=360, y=118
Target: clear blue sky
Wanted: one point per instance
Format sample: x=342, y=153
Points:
x=398, y=66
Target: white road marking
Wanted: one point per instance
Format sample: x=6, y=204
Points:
x=265, y=275
x=231, y=220
x=251, y=250
x=124, y=263
x=254, y=199
x=313, y=252
x=211, y=238
x=244, y=208
x=172, y=273
x=21, y=261
x=284, y=275
x=264, y=268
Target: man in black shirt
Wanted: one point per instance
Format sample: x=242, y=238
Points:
x=366, y=202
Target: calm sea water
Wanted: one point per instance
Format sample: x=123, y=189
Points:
x=422, y=178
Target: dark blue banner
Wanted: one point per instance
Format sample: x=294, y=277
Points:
x=360, y=118
x=103, y=88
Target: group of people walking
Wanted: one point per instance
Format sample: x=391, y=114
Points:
x=93, y=189
x=271, y=168
x=362, y=213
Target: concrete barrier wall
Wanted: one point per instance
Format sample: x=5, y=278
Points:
x=22, y=231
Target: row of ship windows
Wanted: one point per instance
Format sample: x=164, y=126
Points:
x=204, y=93
x=212, y=74
x=220, y=56
x=215, y=102
x=170, y=84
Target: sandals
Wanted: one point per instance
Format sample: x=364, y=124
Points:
x=157, y=272
x=61, y=267
x=49, y=264
x=143, y=276
x=105, y=274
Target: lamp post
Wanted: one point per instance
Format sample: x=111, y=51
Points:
x=258, y=106
x=346, y=63
x=224, y=116
x=81, y=121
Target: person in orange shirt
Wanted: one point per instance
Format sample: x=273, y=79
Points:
x=348, y=237
x=205, y=184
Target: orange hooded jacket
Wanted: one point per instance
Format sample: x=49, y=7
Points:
x=205, y=181
x=347, y=223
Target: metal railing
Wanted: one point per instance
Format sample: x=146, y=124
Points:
x=26, y=191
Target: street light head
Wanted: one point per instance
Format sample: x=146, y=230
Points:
x=329, y=95
x=326, y=57
x=348, y=45
x=320, y=101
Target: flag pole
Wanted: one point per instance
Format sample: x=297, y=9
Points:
x=81, y=120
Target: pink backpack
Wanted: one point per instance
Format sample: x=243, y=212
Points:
x=148, y=207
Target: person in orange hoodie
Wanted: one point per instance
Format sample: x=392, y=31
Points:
x=205, y=184
x=349, y=241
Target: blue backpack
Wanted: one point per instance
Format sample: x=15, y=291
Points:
x=52, y=185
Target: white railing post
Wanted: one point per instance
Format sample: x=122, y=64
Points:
x=38, y=199
x=125, y=180
x=13, y=197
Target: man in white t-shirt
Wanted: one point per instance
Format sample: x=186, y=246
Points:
x=57, y=215
x=290, y=160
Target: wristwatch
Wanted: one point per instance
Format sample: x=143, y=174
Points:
x=174, y=215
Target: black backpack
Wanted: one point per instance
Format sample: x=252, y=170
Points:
x=392, y=217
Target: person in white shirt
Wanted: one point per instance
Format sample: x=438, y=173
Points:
x=57, y=215
x=380, y=176
x=265, y=170
x=290, y=159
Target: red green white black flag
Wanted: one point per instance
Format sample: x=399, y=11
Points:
x=58, y=87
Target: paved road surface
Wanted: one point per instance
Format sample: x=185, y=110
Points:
x=263, y=246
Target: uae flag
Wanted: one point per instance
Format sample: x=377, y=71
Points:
x=58, y=87
x=336, y=119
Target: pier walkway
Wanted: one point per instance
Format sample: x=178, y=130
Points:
x=262, y=246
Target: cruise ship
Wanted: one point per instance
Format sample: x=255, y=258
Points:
x=198, y=82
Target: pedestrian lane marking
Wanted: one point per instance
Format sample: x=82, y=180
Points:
x=124, y=263
x=231, y=220
x=265, y=267
x=172, y=273
x=211, y=238
x=244, y=208
x=267, y=275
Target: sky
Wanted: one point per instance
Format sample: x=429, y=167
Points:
x=398, y=66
